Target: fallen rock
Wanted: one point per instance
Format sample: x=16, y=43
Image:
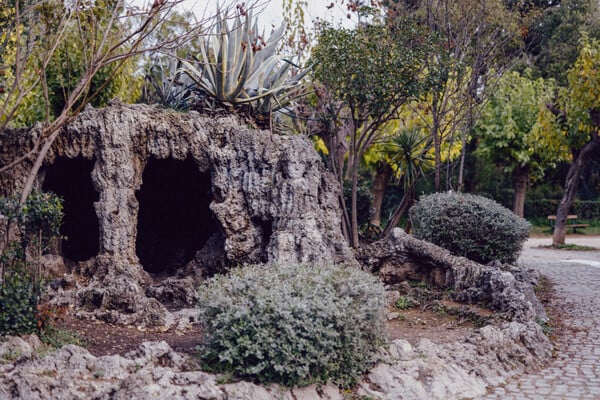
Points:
x=402, y=257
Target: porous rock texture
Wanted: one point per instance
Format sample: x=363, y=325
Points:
x=504, y=288
x=256, y=177
x=425, y=371
x=272, y=198
x=258, y=180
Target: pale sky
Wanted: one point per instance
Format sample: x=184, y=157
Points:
x=271, y=10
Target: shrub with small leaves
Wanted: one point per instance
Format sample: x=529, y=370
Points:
x=471, y=226
x=25, y=234
x=19, y=297
x=292, y=324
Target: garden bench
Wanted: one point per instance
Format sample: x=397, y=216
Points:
x=571, y=222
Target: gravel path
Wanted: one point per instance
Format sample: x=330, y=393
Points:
x=575, y=372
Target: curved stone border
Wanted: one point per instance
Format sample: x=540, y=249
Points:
x=425, y=371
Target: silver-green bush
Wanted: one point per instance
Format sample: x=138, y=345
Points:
x=292, y=324
x=471, y=226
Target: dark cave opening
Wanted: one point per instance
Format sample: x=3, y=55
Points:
x=70, y=178
x=174, y=219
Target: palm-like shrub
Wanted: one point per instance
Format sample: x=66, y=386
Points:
x=471, y=226
x=236, y=66
x=292, y=324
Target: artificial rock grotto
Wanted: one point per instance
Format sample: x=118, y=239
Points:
x=150, y=192
x=155, y=200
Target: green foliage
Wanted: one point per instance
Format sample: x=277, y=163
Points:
x=584, y=209
x=552, y=37
x=60, y=337
x=237, y=66
x=404, y=303
x=471, y=226
x=19, y=296
x=168, y=86
x=52, y=46
x=41, y=218
x=508, y=131
x=372, y=69
x=292, y=324
x=27, y=233
x=69, y=63
x=579, y=101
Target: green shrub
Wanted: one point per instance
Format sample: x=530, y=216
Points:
x=471, y=226
x=37, y=226
x=292, y=324
x=19, y=297
x=584, y=209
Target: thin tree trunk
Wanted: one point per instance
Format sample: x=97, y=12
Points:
x=464, y=135
x=354, y=210
x=463, y=152
x=382, y=178
x=399, y=212
x=335, y=164
x=437, y=145
x=571, y=184
x=520, y=184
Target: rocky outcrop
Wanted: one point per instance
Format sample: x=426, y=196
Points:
x=271, y=197
x=458, y=370
x=424, y=371
x=503, y=288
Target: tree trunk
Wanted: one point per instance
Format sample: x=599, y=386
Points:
x=382, y=178
x=354, y=210
x=571, y=183
x=466, y=146
x=437, y=146
x=405, y=203
x=520, y=184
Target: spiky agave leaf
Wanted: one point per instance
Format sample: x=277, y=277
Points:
x=235, y=69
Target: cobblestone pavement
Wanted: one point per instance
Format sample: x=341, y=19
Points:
x=575, y=372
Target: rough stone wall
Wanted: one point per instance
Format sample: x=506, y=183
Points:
x=504, y=288
x=273, y=198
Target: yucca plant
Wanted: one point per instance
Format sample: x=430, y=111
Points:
x=237, y=67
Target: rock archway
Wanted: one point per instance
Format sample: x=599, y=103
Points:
x=70, y=178
x=174, y=219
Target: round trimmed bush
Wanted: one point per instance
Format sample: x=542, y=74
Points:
x=470, y=226
x=292, y=324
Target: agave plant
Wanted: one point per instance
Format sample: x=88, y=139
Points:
x=169, y=86
x=236, y=66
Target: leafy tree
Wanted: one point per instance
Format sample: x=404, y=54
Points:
x=552, y=34
x=470, y=41
x=70, y=60
x=402, y=152
x=576, y=116
x=371, y=71
x=509, y=136
x=411, y=155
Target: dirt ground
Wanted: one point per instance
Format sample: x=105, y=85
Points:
x=101, y=338
x=440, y=322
